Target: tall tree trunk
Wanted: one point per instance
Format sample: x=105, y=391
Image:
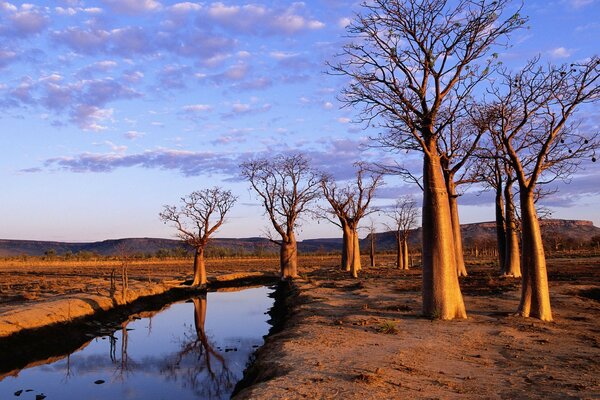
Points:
x=347, y=246
x=399, y=256
x=500, y=230
x=405, y=264
x=458, y=245
x=513, y=256
x=199, y=268
x=372, y=250
x=535, y=296
x=442, y=297
x=356, y=266
x=288, y=258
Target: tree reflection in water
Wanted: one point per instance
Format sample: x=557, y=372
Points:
x=197, y=363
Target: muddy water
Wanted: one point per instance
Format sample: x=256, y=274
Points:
x=196, y=349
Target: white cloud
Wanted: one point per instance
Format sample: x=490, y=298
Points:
x=560, y=52
x=131, y=135
x=197, y=108
x=344, y=22
x=185, y=7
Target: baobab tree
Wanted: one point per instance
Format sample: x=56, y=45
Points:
x=349, y=204
x=456, y=147
x=494, y=171
x=286, y=186
x=532, y=112
x=409, y=61
x=199, y=216
x=404, y=214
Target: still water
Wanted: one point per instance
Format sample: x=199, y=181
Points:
x=197, y=349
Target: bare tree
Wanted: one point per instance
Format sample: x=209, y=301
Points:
x=408, y=62
x=349, y=204
x=532, y=110
x=286, y=186
x=372, y=239
x=494, y=171
x=404, y=214
x=456, y=147
x=200, y=215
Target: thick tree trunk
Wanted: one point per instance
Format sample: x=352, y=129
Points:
x=535, y=296
x=442, y=297
x=347, y=245
x=500, y=230
x=512, y=256
x=399, y=256
x=356, y=266
x=458, y=245
x=199, y=268
x=405, y=264
x=288, y=258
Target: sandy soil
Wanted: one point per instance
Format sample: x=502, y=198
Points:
x=366, y=339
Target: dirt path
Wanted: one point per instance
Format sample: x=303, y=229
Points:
x=335, y=343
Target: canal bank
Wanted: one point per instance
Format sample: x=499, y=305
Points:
x=59, y=329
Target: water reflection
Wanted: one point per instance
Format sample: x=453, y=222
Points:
x=186, y=351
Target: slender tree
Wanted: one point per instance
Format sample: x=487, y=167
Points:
x=494, y=171
x=200, y=215
x=404, y=216
x=286, y=186
x=532, y=112
x=372, y=239
x=349, y=204
x=408, y=61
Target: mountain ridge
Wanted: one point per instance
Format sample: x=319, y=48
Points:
x=484, y=233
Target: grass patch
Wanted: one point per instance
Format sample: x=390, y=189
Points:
x=388, y=327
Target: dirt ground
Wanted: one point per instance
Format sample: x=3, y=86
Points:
x=365, y=339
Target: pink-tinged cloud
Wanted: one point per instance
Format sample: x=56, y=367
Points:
x=188, y=163
x=133, y=7
x=260, y=19
x=6, y=57
x=91, y=118
x=85, y=41
x=335, y=157
x=21, y=22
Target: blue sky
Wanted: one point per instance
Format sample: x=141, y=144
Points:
x=111, y=108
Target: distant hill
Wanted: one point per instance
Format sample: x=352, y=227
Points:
x=113, y=247
x=553, y=230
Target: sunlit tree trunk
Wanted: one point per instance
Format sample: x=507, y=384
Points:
x=199, y=268
x=513, y=256
x=289, y=258
x=500, y=230
x=399, y=256
x=458, y=246
x=535, y=296
x=347, y=246
x=442, y=297
x=356, y=265
x=405, y=263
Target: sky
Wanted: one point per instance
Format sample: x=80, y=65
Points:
x=110, y=109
